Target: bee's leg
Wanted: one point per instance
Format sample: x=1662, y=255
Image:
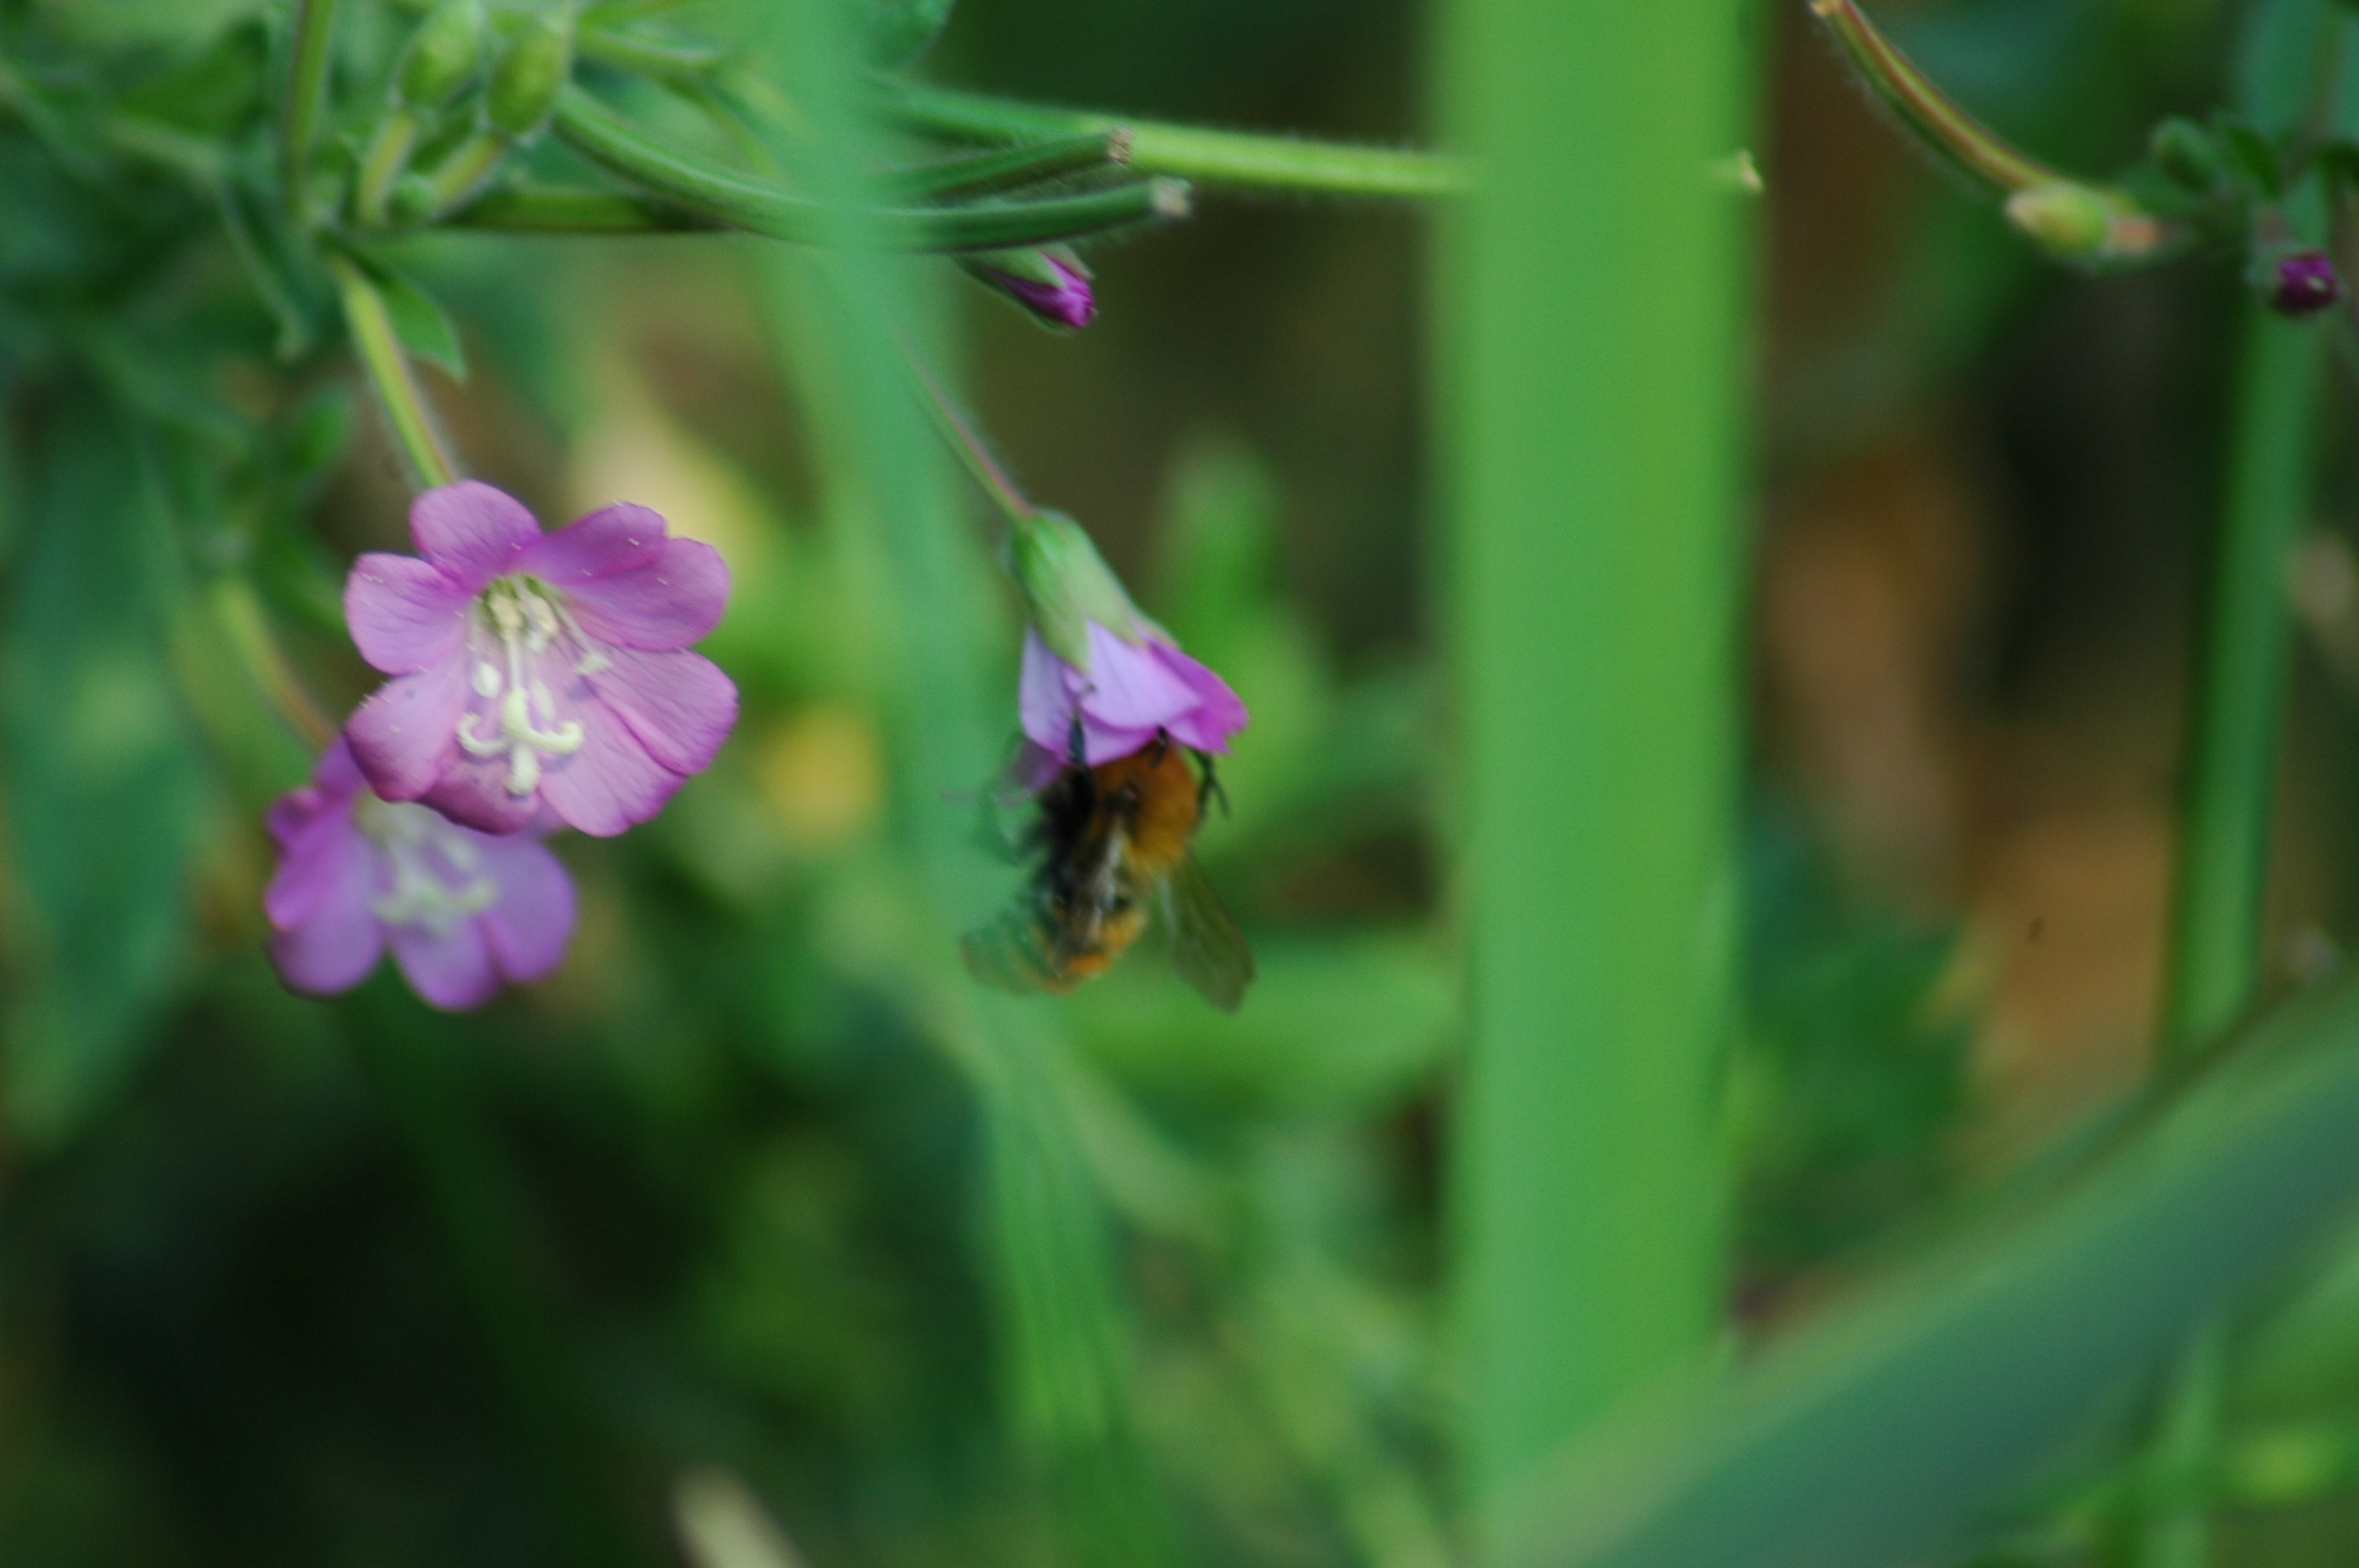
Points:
x=1077, y=756
x=1210, y=788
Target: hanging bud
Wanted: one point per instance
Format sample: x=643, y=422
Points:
x=2303, y=284
x=525, y=83
x=1049, y=283
x=2079, y=223
x=1067, y=585
x=442, y=56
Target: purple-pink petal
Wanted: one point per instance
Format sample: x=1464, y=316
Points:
x=1130, y=686
x=533, y=919
x=611, y=783
x=337, y=939
x=314, y=857
x=616, y=538
x=406, y=735
x=663, y=605
x=1217, y=712
x=473, y=792
x=452, y=970
x=678, y=705
x=1068, y=301
x=405, y=614
x=471, y=531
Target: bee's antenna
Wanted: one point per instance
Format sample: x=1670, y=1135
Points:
x=1077, y=755
x=1162, y=746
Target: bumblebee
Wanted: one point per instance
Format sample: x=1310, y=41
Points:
x=1114, y=845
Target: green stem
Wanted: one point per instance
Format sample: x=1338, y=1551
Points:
x=386, y=159
x=964, y=443
x=1222, y=158
x=529, y=210
x=388, y=372
x=308, y=60
x=680, y=65
x=614, y=13
x=2240, y=683
x=606, y=138
x=1008, y=167
x=1598, y=669
x=1932, y=113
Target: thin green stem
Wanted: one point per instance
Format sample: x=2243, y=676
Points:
x=963, y=441
x=676, y=64
x=546, y=209
x=606, y=138
x=308, y=60
x=1222, y=158
x=388, y=372
x=2240, y=683
x=1932, y=113
x=614, y=13
x=1598, y=673
x=385, y=161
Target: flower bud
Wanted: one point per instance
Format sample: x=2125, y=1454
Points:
x=441, y=54
x=1050, y=283
x=2062, y=219
x=2303, y=284
x=897, y=31
x=414, y=199
x=525, y=83
x=2187, y=156
x=1066, y=585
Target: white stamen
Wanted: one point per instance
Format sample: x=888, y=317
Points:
x=412, y=837
x=527, y=621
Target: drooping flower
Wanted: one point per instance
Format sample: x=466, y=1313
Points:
x=2303, y=284
x=463, y=911
x=538, y=668
x=1091, y=656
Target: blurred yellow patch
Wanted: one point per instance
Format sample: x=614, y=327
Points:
x=820, y=775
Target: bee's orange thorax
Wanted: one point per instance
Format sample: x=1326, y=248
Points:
x=1168, y=802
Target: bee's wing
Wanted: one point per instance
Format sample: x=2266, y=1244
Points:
x=1207, y=948
x=1005, y=954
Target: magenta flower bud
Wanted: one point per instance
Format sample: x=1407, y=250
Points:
x=2303, y=284
x=1050, y=284
x=538, y=670
x=464, y=913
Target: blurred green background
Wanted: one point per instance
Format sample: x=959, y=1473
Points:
x=744, y=1194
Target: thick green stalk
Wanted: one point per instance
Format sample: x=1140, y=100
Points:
x=2240, y=681
x=308, y=60
x=1220, y=157
x=1595, y=433
x=606, y=138
x=388, y=373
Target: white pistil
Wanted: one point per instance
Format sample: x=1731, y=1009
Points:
x=410, y=837
x=526, y=623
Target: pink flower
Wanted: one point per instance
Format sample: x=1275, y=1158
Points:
x=538, y=668
x=1128, y=693
x=464, y=912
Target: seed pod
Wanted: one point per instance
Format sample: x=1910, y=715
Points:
x=442, y=56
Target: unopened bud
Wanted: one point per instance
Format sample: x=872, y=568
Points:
x=1049, y=283
x=2187, y=156
x=898, y=31
x=525, y=83
x=413, y=200
x=442, y=54
x=1067, y=584
x=2063, y=219
x=2303, y=284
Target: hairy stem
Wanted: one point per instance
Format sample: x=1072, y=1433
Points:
x=308, y=60
x=1223, y=157
x=388, y=367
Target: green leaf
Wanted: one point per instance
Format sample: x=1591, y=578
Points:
x=104, y=791
x=421, y=322
x=1884, y=1433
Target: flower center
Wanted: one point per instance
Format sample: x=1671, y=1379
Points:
x=525, y=620
x=438, y=877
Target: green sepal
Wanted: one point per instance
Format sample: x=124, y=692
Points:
x=1066, y=585
x=443, y=55
x=897, y=31
x=534, y=70
x=2189, y=156
x=423, y=327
